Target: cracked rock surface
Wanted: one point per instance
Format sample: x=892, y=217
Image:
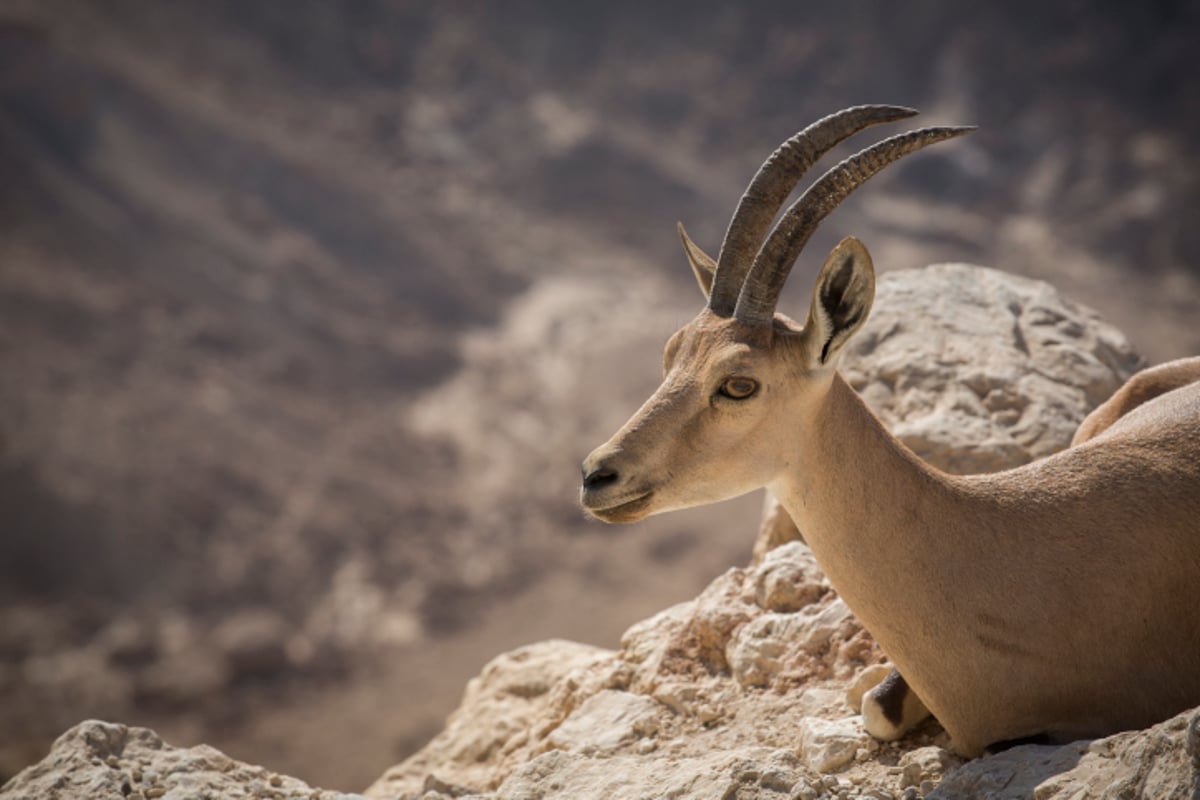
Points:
x=977, y=370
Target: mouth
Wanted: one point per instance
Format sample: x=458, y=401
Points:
x=627, y=510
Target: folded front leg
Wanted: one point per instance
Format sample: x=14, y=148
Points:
x=891, y=709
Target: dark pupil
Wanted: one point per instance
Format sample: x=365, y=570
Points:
x=739, y=387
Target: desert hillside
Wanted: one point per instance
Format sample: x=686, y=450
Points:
x=309, y=311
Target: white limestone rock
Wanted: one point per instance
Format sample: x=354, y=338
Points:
x=673, y=712
x=1161, y=762
x=754, y=774
x=925, y=764
x=978, y=370
x=828, y=745
x=607, y=720
x=788, y=580
x=757, y=652
x=498, y=714
x=103, y=760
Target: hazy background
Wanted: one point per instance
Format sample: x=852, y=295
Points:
x=309, y=310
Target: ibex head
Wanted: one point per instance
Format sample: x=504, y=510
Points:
x=717, y=426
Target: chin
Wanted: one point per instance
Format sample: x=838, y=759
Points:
x=624, y=513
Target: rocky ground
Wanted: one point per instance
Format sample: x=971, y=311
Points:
x=307, y=314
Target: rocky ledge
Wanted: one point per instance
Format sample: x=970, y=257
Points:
x=748, y=691
x=751, y=689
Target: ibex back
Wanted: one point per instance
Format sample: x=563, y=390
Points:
x=1060, y=599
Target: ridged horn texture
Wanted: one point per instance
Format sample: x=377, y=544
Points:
x=775, y=180
x=761, y=288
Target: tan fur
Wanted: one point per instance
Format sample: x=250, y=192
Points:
x=777, y=528
x=1059, y=598
x=1146, y=385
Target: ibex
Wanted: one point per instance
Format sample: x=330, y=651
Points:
x=1058, y=600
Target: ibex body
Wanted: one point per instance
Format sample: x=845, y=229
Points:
x=1058, y=599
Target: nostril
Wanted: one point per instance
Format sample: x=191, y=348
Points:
x=599, y=478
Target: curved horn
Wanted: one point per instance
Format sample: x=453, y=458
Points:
x=760, y=291
x=775, y=180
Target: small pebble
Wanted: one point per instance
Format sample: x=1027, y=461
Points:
x=804, y=791
x=136, y=775
x=112, y=761
x=909, y=794
x=276, y=780
x=155, y=791
x=926, y=787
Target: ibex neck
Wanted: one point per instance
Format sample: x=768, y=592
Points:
x=869, y=509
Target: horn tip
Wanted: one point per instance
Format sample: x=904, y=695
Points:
x=879, y=112
x=942, y=132
x=954, y=131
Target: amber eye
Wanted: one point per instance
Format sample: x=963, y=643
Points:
x=739, y=388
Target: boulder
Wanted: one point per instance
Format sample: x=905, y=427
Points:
x=978, y=370
x=1161, y=762
x=106, y=761
x=723, y=693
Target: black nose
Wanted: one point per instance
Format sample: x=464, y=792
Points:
x=599, y=478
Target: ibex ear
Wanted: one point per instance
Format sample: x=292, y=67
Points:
x=841, y=301
x=704, y=267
